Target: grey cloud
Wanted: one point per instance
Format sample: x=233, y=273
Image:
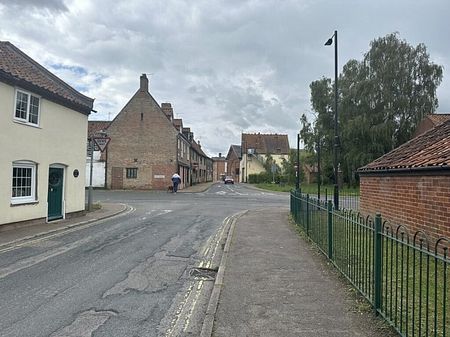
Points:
x=226, y=66
x=52, y=5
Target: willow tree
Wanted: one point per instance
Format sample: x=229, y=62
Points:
x=382, y=98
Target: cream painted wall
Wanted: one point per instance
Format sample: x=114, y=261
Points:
x=254, y=166
x=59, y=139
x=98, y=171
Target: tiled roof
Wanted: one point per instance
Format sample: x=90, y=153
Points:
x=17, y=68
x=440, y=118
x=237, y=150
x=196, y=147
x=266, y=143
x=96, y=126
x=430, y=150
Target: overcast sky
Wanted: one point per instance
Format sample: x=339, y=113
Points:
x=227, y=66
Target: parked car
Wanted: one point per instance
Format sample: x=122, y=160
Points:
x=229, y=180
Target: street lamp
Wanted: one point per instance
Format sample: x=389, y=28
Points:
x=297, y=182
x=336, y=132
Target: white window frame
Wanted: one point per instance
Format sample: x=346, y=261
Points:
x=26, y=120
x=29, y=198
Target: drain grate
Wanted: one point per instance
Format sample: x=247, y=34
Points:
x=208, y=274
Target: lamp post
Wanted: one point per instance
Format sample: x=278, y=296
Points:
x=297, y=182
x=319, y=182
x=336, y=131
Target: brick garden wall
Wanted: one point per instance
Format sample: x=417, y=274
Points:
x=418, y=202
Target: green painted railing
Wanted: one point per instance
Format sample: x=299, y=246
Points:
x=403, y=275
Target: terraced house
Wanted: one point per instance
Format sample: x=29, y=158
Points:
x=148, y=145
x=42, y=141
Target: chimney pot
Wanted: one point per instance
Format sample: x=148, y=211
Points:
x=144, y=83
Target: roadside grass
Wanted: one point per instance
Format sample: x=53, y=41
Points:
x=308, y=188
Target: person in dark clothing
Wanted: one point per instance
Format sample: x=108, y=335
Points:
x=176, y=179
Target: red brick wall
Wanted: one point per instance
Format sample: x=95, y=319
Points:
x=233, y=165
x=218, y=169
x=418, y=202
x=147, y=142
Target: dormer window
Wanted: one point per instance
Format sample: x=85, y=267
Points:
x=27, y=107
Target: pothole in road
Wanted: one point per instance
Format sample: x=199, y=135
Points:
x=85, y=324
x=207, y=274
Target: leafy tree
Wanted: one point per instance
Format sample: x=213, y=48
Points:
x=382, y=98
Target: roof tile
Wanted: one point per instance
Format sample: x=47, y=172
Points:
x=266, y=143
x=16, y=65
x=430, y=149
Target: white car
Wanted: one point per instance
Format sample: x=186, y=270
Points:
x=228, y=180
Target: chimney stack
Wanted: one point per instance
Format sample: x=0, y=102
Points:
x=144, y=83
x=168, y=110
x=220, y=154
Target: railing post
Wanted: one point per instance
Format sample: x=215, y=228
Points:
x=377, y=268
x=307, y=214
x=292, y=205
x=330, y=229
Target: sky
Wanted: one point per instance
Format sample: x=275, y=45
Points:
x=226, y=66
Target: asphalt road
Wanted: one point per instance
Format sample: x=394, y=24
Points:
x=143, y=273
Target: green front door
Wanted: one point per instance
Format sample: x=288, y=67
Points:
x=55, y=193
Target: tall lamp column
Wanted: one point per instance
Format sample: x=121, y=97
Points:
x=297, y=182
x=336, y=131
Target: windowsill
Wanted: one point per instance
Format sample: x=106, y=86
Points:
x=24, y=203
x=18, y=121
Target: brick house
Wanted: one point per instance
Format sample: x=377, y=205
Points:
x=202, y=166
x=146, y=148
x=256, y=147
x=411, y=184
x=43, y=141
x=219, y=167
x=311, y=172
x=233, y=162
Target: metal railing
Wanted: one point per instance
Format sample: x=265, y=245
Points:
x=403, y=275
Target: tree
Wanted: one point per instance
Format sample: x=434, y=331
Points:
x=382, y=98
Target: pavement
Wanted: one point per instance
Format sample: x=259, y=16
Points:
x=275, y=283
x=270, y=282
x=28, y=230
x=10, y=233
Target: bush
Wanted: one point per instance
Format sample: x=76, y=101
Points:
x=266, y=178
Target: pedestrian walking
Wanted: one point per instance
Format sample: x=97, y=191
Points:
x=176, y=179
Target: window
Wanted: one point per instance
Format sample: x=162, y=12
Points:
x=23, y=182
x=132, y=173
x=27, y=108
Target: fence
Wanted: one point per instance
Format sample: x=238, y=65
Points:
x=401, y=274
x=347, y=199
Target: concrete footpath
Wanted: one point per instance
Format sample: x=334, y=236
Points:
x=275, y=284
x=10, y=233
x=28, y=230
